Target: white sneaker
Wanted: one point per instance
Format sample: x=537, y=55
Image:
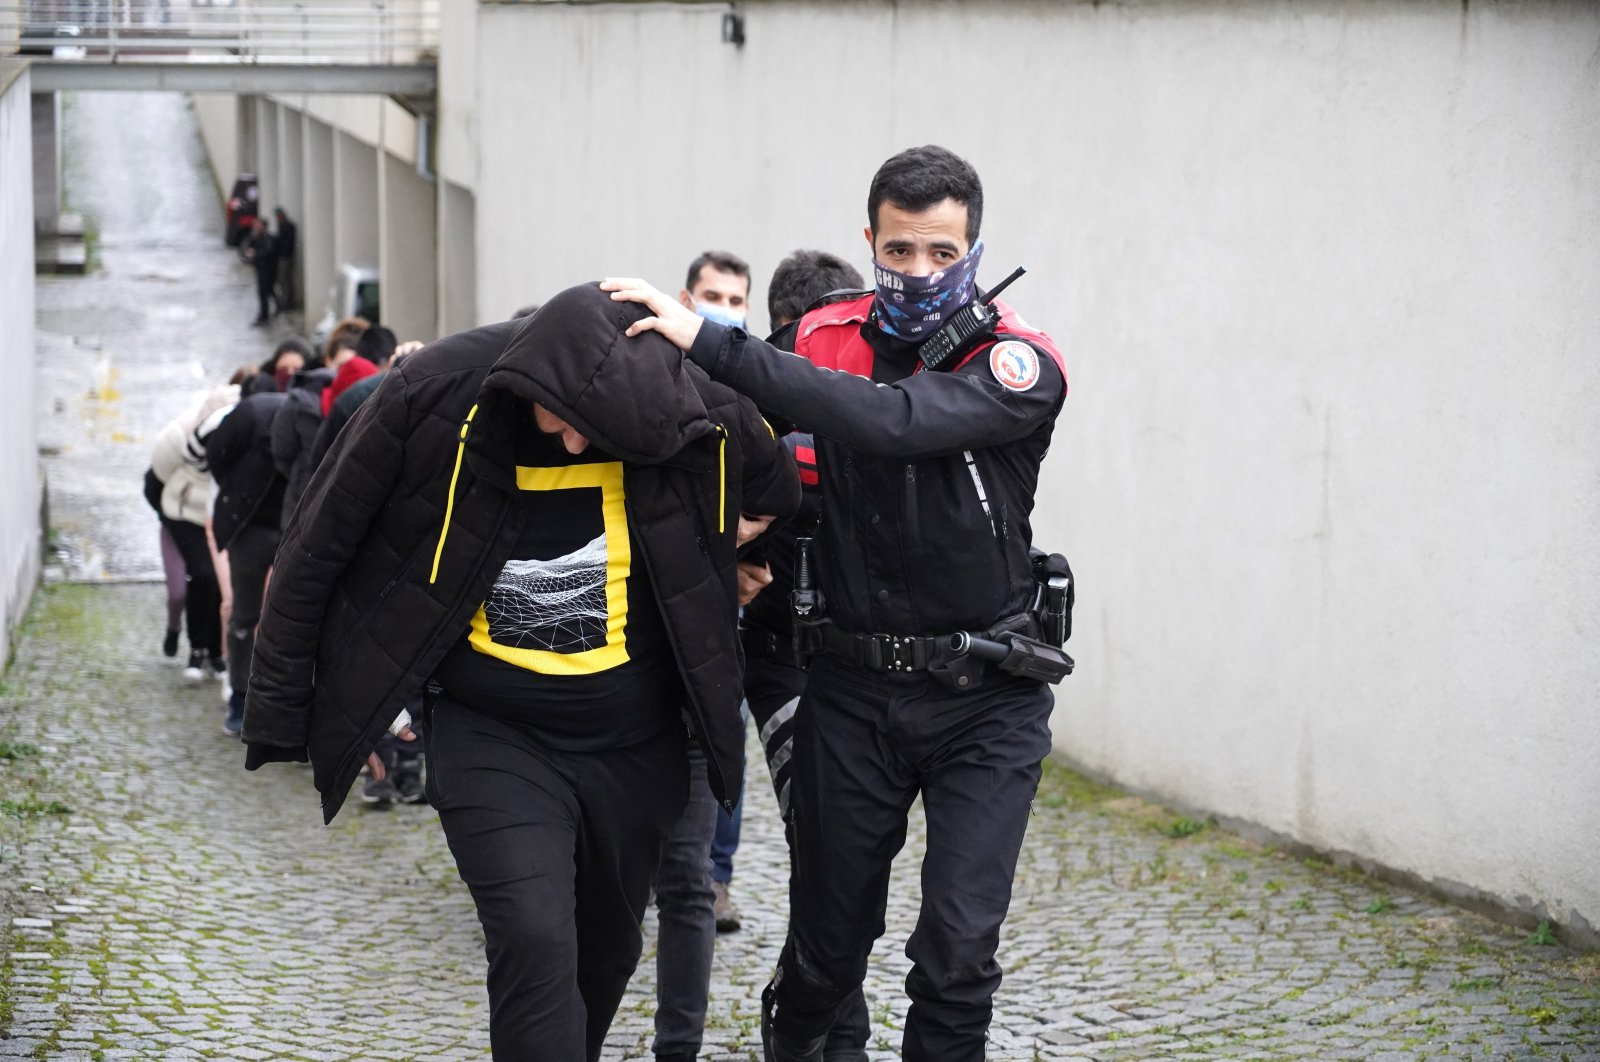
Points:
x=194, y=670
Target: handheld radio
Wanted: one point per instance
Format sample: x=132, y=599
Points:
x=969, y=326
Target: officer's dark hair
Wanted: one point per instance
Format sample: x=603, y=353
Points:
x=377, y=344
x=721, y=261
x=922, y=177
x=803, y=278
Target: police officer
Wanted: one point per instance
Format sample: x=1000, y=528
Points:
x=928, y=481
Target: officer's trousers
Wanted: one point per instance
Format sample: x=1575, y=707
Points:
x=866, y=744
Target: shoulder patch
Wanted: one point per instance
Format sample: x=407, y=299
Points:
x=1015, y=364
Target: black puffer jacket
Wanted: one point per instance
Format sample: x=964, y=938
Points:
x=294, y=434
x=249, y=488
x=410, y=518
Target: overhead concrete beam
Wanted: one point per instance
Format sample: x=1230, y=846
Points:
x=405, y=80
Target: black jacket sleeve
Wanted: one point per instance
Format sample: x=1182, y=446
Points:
x=229, y=442
x=771, y=484
x=928, y=414
x=285, y=439
x=340, y=503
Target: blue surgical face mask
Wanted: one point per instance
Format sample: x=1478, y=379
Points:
x=913, y=308
x=723, y=315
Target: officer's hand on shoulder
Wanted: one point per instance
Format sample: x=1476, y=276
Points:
x=673, y=320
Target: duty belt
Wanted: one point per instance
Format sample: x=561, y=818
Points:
x=762, y=644
x=884, y=652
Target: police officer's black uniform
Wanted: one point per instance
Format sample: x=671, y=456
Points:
x=928, y=481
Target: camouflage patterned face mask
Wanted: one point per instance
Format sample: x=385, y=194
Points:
x=913, y=308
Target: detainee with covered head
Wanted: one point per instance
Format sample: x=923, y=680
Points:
x=533, y=525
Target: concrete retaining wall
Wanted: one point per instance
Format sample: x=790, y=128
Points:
x=1326, y=278
x=21, y=534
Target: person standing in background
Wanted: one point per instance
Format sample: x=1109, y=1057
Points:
x=287, y=237
x=261, y=251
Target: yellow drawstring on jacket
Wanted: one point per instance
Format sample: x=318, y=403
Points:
x=450, y=500
x=722, y=478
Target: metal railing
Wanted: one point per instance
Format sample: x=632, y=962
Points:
x=345, y=32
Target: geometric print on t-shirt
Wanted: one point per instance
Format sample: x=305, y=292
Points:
x=567, y=615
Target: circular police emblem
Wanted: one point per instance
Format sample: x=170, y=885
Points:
x=1014, y=364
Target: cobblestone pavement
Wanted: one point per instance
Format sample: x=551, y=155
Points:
x=159, y=902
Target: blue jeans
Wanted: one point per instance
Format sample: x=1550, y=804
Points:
x=688, y=929
x=726, y=840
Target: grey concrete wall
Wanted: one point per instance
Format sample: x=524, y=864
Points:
x=292, y=177
x=1325, y=277
x=458, y=272
x=218, y=118
x=355, y=201
x=20, y=484
x=408, y=264
x=46, y=117
x=269, y=154
x=316, y=220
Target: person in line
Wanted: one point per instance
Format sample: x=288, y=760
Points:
x=343, y=335
x=928, y=479
x=247, y=522
x=288, y=357
x=401, y=780
x=717, y=288
x=178, y=486
x=356, y=360
x=294, y=433
x=690, y=886
x=384, y=355
x=533, y=526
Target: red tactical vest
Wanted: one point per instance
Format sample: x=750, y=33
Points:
x=844, y=349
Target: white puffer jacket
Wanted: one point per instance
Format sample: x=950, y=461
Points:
x=179, y=459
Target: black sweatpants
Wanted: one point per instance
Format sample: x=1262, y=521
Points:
x=558, y=849
x=866, y=743
x=266, y=280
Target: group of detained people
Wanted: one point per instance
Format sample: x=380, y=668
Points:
x=224, y=478
x=528, y=552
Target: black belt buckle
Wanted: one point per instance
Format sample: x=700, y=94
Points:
x=893, y=653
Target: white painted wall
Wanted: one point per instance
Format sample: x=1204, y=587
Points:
x=1326, y=276
x=20, y=485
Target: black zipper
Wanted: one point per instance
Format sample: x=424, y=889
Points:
x=677, y=660
x=912, y=524
x=369, y=739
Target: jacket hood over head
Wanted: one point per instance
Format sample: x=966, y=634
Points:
x=632, y=398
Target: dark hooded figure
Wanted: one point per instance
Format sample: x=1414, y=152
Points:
x=532, y=525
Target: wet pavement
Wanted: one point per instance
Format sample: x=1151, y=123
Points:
x=157, y=902
x=163, y=315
